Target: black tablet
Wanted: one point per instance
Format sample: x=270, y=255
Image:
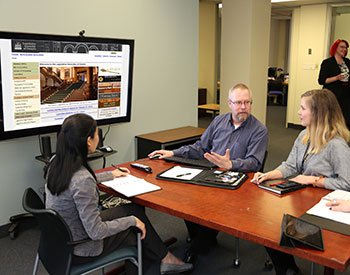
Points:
x=304, y=232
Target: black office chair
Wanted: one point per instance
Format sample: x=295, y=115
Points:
x=237, y=261
x=56, y=243
x=272, y=72
x=16, y=221
x=275, y=89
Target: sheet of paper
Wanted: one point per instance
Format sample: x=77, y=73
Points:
x=321, y=210
x=181, y=173
x=131, y=186
x=338, y=195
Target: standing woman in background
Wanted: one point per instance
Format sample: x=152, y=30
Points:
x=334, y=75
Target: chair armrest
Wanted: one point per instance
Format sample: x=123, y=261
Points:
x=139, y=248
x=134, y=228
x=138, y=233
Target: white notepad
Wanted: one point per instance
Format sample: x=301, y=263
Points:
x=181, y=173
x=321, y=210
x=131, y=186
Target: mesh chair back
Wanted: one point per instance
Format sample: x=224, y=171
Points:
x=54, y=250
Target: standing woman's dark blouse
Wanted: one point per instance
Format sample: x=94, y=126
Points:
x=334, y=76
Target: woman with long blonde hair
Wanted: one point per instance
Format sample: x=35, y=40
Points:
x=320, y=157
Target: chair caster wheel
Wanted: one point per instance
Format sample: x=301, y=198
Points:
x=13, y=235
x=13, y=230
x=268, y=265
x=236, y=262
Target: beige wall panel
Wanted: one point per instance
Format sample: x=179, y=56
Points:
x=207, y=50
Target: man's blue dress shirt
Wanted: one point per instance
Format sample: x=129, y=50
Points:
x=247, y=143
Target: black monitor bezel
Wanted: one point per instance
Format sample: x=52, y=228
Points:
x=51, y=37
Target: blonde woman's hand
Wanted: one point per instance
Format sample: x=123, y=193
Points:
x=259, y=178
x=307, y=180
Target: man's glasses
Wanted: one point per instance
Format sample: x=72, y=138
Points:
x=240, y=103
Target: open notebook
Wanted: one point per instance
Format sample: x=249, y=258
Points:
x=131, y=186
x=321, y=210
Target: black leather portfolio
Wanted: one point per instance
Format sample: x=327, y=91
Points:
x=206, y=177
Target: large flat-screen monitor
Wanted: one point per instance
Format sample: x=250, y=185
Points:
x=45, y=78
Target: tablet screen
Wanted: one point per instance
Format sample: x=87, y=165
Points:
x=304, y=232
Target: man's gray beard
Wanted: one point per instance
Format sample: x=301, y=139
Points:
x=242, y=118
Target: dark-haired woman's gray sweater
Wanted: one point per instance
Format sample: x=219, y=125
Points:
x=78, y=205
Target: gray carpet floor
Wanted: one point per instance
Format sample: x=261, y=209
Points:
x=17, y=256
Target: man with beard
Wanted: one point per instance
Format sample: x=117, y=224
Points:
x=234, y=141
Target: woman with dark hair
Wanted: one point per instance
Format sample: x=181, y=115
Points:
x=71, y=190
x=320, y=156
x=334, y=75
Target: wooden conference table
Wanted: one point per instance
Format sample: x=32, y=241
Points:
x=215, y=108
x=249, y=212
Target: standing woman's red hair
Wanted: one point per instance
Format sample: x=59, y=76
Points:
x=335, y=46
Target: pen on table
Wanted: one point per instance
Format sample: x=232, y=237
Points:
x=181, y=175
x=120, y=169
x=273, y=184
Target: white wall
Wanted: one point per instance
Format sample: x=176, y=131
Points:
x=165, y=74
x=310, y=30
